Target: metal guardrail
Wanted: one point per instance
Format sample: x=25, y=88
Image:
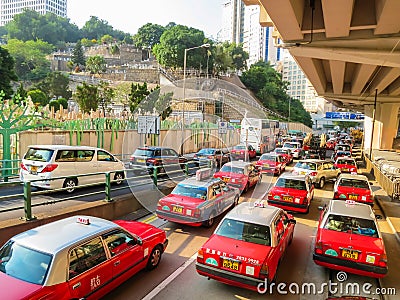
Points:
x=9, y=168
x=154, y=173
x=391, y=187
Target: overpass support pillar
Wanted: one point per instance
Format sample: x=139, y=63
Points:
x=385, y=128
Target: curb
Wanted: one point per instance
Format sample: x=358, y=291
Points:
x=378, y=201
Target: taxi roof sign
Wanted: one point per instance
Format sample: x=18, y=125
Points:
x=83, y=220
x=204, y=173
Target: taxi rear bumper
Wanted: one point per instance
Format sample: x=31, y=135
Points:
x=182, y=219
x=349, y=266
x=303, y=208
x=230, y=277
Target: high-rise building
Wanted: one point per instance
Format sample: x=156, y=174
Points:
x=10, y=8
x=232, y=21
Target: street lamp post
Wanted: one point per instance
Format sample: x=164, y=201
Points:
x=184, y=91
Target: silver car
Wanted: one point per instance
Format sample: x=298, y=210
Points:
x=319, y=170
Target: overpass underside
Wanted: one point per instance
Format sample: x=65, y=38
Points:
x=349, y=50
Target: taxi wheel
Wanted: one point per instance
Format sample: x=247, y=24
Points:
x=246, y=188
x=291, y=238
x=154, y=258
x=210, y=222
x=119, y=178
x=321, y=183
x=70, y=184
x=235, y=201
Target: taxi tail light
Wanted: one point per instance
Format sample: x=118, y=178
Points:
x=318, y=247
x=296, y=150
x=23, y=167
x=200, y=256
x=264, y=271
x=196, y=213
x=383, y=260
x=49, y=168
x=270, y=195
x=210, y=157
x=335, y=195
x=313, y=174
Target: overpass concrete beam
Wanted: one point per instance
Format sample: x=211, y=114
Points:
x=387, y=21
x=337, y=24
x=337, y=72
x=315, y=72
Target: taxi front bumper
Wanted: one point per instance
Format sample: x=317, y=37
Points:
x=229, y=277
x=349, y=266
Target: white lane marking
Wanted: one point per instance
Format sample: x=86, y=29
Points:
x=170, y=278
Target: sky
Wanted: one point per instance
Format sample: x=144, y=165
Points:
x=130, y=15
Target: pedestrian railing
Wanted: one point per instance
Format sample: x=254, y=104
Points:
x=155, y=175
x=9, y=169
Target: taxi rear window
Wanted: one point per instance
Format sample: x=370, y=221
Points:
x=306, y=165
x=190, y=191
x=346, y=162
x=231, y=169
x=23, y=263
x=268, y=157
x=356, y=183
x=351, y=225
x=39, y=154
x=291, y=183
x=244, y=231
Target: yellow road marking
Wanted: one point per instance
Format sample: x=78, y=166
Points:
x=149, y=219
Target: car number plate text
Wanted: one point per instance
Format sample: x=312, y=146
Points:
x=346, y=253
x=353, y=197
x=226, y=179
x=140, y=160
x=288, y=198
x=230, y=264
x=34, y=169
x=177, y=209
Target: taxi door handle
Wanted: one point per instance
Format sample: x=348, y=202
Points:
x=117, y=263
x=75, y=286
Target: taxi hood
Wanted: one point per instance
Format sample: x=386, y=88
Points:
x=266, y=161
x=235, y=249
x=17, y=289
x=140, y=229
x=228, y=174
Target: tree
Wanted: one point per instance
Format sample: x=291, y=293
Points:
x=239, y=56
x=137, y=94
x=56, y=84
x=96, y=64
x=78, y=55
x=107, y=39
x=38, y=98
x=148, y=35
x=95, y=28
x=30, y=58
x=86, y=97
x=20, y=95
x=105, y=94
x=56, y=104
x=173, y=42
x=7, y=73
x=222, y=61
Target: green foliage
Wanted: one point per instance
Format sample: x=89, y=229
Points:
x=238, y=55
x=87, y=43
x=30, y=58
x=95, y=28
x=267, y=85
x=96, y=64
x=30, y=25
x=107, y=39
x=7, y=72
x=56, y=104
x=137, y=94
x=78, y=55
x=105, y=94
x=173, y=42
x=114, y=50
x=128, y=39
x=56, y=84
x=148, y=35
x=86, y=97
x=38, y=98
x=222, y=61
x=20, y=95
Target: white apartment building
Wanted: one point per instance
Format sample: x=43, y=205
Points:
x=10, y=8
x=232, y=21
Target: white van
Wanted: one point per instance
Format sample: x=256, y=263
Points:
x=51, y=161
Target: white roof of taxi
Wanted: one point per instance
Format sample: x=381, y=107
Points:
x=201, y=183
x=355, y=209
x=290, y=175
x=353, y=176
x=238, y=163
x=58, y=147
x=56, y=236
x=247, y=212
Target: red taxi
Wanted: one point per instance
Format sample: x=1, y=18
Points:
x=348, y=239
x=287, y=155
x=247, y=246
x=292, y=192
x=330, y=144
x=197, y=201
x=239, y=152
x=77, y=258
x=346, y=165
x=271, y=163
x=240, y=174
x=353, y=187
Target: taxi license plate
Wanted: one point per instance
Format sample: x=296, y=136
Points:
x=346, y=253
x=288, y=198
x=345, y=170
x=140, y=160
x=34, y=169
x=353, y=197
x=303, y=173
x=230, y=264
x=226, y=179
x=177, y=209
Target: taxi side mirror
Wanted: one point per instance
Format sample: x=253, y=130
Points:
x=135, y=241
x=321, y=208
x=378, y=217
x=371, y=183
x=226, y=189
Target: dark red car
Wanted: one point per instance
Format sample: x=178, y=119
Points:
x=239, y=152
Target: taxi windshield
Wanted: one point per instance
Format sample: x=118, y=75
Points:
x=291, y=183
x=190, y=191
x=23, y=263
x=231, y=169
x=289, y=145
x=357, y=183
x=346, y=162
x=244, y=231
x=268, y=157
x=306, y=165
x=206, y=151
x=240, y=147
x=280, y=150
x=351, y=225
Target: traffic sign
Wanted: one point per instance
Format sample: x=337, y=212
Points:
x=148, y=125
x=222, y=127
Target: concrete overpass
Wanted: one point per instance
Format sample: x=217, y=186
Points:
x=349, y=50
